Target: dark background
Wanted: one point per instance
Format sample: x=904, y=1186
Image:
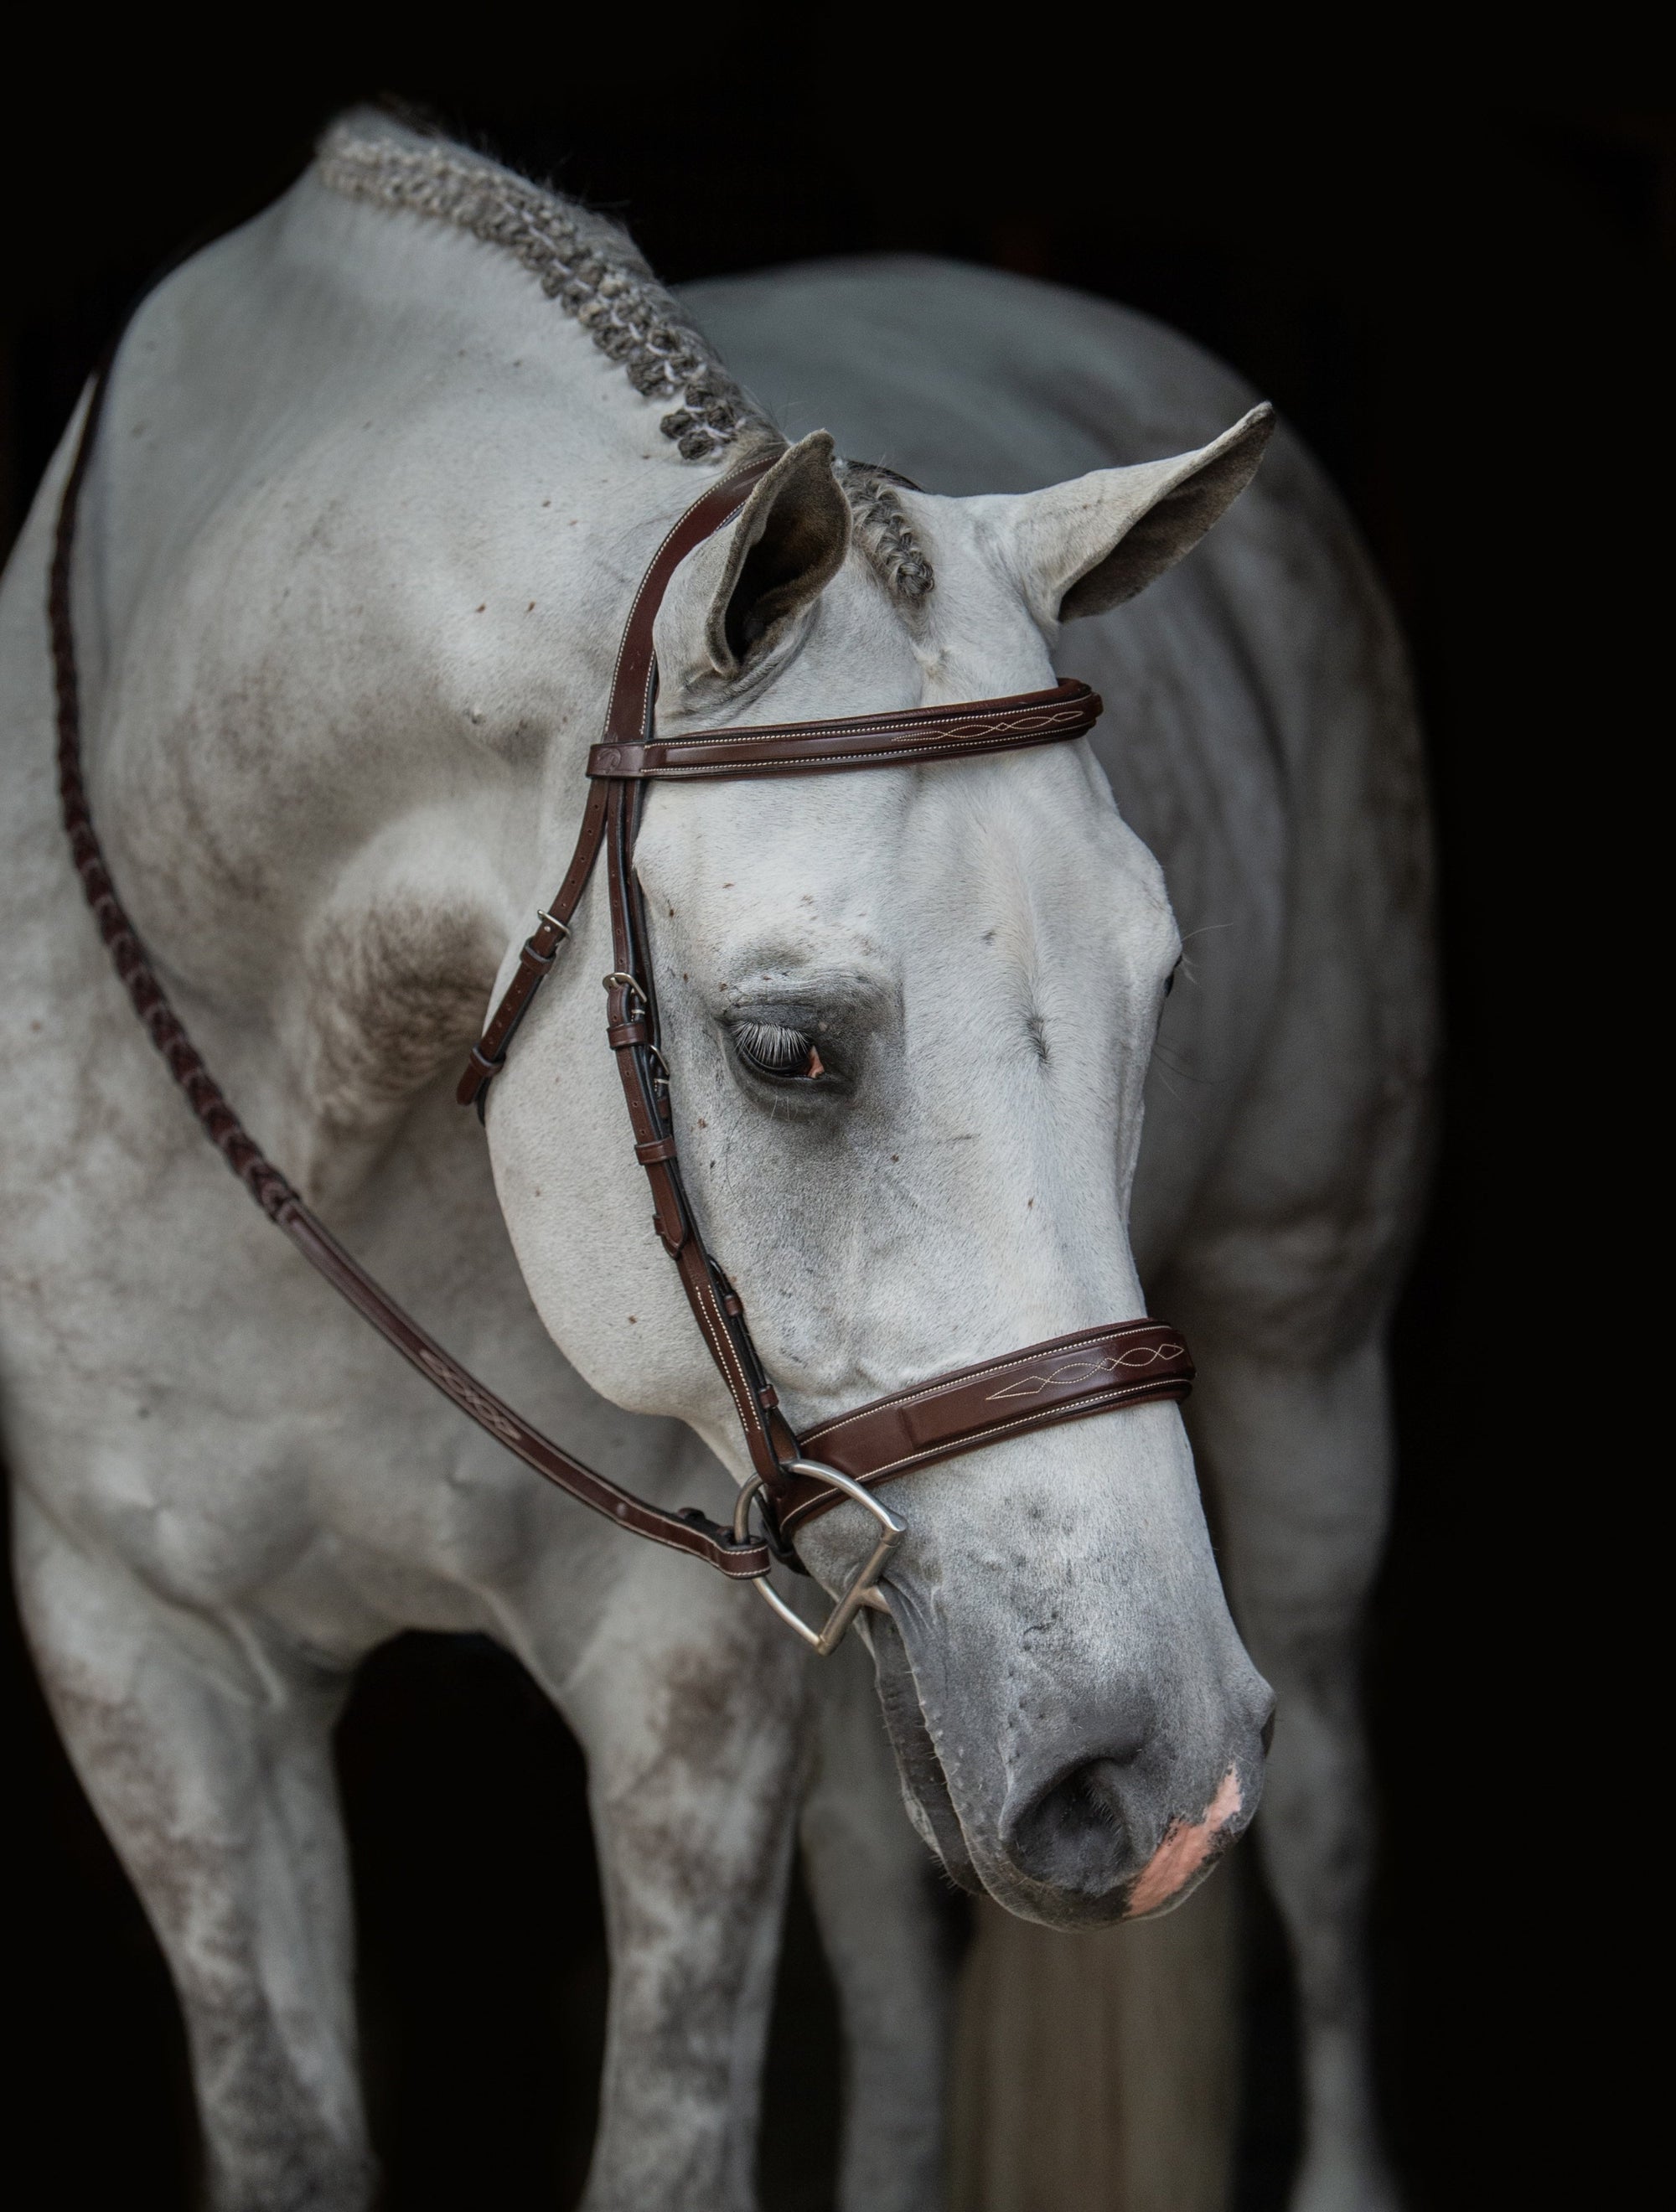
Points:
x=1460, y=306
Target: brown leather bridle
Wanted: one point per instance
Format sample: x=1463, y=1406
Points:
x=1091, y=1370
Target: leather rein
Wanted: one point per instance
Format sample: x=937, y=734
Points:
x=1091, y=1370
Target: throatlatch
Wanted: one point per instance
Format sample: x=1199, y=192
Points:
x=792, y=1480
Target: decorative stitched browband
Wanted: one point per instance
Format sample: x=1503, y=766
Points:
x=1089, y=1371
x=917, y=733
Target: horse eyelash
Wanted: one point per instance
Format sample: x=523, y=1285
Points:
x=772, y=1049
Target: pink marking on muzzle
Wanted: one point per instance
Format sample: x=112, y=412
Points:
x=1186, y=1847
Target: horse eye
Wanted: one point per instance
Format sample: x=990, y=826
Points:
x=771, y=1049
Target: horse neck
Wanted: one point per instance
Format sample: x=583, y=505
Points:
x=356, y=556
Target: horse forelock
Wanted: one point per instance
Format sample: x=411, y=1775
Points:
x=884, y=533
x=594, y=271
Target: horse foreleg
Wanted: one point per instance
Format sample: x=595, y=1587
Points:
x=208, y=1759
x=874, y=1888
x=1301, y=1460
x=690, y=1708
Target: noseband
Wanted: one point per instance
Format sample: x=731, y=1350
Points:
x=1092, y=1370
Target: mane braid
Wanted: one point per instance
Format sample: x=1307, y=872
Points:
x=594, y=272
x=581, y=261
x=884, y=533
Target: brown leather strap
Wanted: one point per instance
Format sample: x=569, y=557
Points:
x=1092, y=1370
x=535, y=958
x=917, y=733
x=631, y=1027
x=691, y=1531
x=687, y=1531
x=629, y=715
x=635, y=680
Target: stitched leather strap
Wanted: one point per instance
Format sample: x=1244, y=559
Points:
x=688, y=1531
x=1092, y=1370
x=918, y=733
x=628, y=718
x=535, y=958
x=631, y=1029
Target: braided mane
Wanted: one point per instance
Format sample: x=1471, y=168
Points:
x=595, y=274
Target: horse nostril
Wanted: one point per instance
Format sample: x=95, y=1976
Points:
x=1074, y=1836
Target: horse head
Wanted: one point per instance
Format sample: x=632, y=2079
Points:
x=907, y=1019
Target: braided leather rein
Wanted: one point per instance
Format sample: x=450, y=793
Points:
x=1087, y=1372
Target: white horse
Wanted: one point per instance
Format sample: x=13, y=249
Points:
x=369, y=498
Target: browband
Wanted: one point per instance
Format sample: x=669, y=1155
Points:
x=917, y=733
x=1066, y=1378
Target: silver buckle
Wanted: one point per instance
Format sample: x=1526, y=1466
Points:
x=862, y=1589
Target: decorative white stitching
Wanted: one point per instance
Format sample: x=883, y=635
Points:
x=1141, y=1355
x=726, y=1361
x=979, y=1436
x=982, y=1372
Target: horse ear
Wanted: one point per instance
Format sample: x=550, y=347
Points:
x=1082, y=547
x=737, y=593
